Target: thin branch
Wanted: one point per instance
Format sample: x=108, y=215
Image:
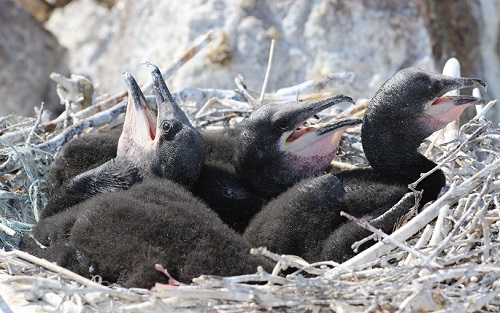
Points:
x=485, y=109
x=55, y=268
x=443, y=243
x=321, y=85
x=424, y=238
x=452, y=154
x=222, y=119
x=437, y=235
x=268, y=72
x=93, y=121
x=37, y=123
x=389, y=239
x=242, y=87
x=6, y=229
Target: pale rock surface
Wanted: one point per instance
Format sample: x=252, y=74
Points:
x=313, y=39
x=28, y=54
x=488, y=17
x=373, y=39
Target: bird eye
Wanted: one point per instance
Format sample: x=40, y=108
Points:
x=166, y=126
x=227, y=192
x=283, y=124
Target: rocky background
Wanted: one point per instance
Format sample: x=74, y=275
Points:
x=373, y=39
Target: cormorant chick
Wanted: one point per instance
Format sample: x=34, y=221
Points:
x=120, y=236
x=274, y=153
x=219, y=186
x=148, y=147
x=394, y=126
x=229, y=193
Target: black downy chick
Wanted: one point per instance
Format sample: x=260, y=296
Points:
x=120, y=236
x=406, y=110
x=274, y=152
x=84, y=153
x=395, y=125
x=221, y=189
x=299, y=218
x=148, y=147
x=219, y=186
x=295, y=152
x=141, y=136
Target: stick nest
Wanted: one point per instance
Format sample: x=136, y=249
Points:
x=450, y=264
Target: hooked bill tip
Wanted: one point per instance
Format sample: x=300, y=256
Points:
x=155, y=72
x=126, y=75
x=161, y=91
x=151, y=66
x=344, y=98
x=354, y=121
x=349, y=122
x=346, y=122
x=130, y=80
x=481, y=83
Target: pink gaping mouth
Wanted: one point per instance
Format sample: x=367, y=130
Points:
x=441, y=99
x=446, y=109
x=307, y=142
x=151, y=124
x=299, y=132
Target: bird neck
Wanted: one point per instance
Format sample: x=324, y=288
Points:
x=108, y=177
x=392, y=148
x=409, y=166
x=398, y=158
x=257, y=162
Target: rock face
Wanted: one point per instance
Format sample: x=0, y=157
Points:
x=470, y=32
x=313, y=39
x=373, y=39
x=488, y=19
x=28, y=54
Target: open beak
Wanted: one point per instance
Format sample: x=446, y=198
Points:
x=167, y=107
x=320, y=139
x=446, y=108
x=140, y=121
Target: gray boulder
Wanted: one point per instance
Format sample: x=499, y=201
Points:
x=28, y=54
